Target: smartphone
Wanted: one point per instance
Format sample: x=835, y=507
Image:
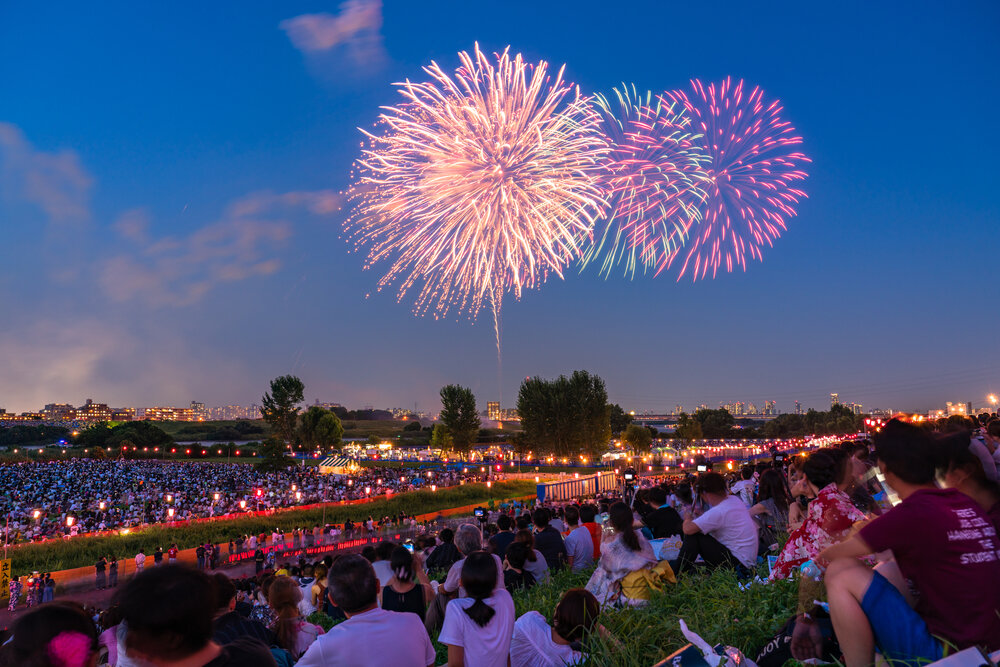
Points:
x=702, y=468
x=409, y=546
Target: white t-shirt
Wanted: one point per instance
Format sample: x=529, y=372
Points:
x=383, y=570
x=486, y=646
x=539, y=569
x=730, y=523
x=454, y=578
x=744, y=490
x=375, y=637
x=580, y=547
x=532, y=645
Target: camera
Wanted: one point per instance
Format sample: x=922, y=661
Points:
x=702, y=468
x=480, y=513
x=629, y=475
x=779, y=458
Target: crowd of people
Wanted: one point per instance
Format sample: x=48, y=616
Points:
x=899, y=537
x=58, y=499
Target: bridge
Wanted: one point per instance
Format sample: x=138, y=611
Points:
x=653, y=420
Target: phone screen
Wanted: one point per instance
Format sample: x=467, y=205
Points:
x=409, y=547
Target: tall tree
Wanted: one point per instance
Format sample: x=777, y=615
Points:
x=280, y=407
x=688, y=428
x=715, y=423
x=566, y=416
x=440, y=438
x=637, y=438
x=320, y=428
x=274, y=453
x=619, y=419
x=459, y=415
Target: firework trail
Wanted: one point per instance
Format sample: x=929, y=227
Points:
x=654, y=177
x=754, y=166
x=481, y=184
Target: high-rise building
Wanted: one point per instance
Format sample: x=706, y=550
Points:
x=752, y=409
x=493, y=410
x=770, y=408
x=678, y=409
x=94, y=412
x=798, y=408
x=856, y=408
x=834, y=400
x=59, y=412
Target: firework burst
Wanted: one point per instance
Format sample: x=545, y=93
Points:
x=654, y=175
x=751, y=176
x=480, y=184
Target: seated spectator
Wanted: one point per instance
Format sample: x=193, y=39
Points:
x=317, y=593
x=588, y=514
x=57, y=634
x=535, y=564
x=168, y=612
x=579, y=547
x=408, y=589
x=725, y=534
x=498, y=543
x=370, y=635
x=229, y=625
x=771, y=510
x=548, y=540
x=829, y=518
x=943, y=544
x=744, y=489
x=383, y=569
x=536, y=644
x=445, y=554
x=468, y=540
x=262, y=612
x=960, y=468
x=305, y=582
x=624, y=552
x=663, y=520
x=515, y=576
x=293, y=632
x=477, y=629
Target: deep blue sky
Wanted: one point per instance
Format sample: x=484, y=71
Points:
x=167, y=234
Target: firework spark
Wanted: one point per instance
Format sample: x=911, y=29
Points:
x=754, y=166
x=481, y=183
x=653, y=175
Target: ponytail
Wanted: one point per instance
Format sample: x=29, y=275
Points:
x=480, y=612
x=479, y=577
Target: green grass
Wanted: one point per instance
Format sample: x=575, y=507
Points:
x=711, y=604
x=84, y=551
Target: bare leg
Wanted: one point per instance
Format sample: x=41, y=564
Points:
x=846, y=583
x=890, y=570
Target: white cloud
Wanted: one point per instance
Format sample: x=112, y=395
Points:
x=180, y=270
x=55, y=182
x=356, y=29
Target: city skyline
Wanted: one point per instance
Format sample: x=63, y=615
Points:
x=172, y=220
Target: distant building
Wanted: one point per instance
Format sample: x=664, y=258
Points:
x=770, y=408
x=493, y=410
x=856, y=408
x=960, y=409
x=678, y=409
x=59, y=412
x=199, y=411
x=161, y=414
x=834, y=400
x=798, y=408
x=94, y=412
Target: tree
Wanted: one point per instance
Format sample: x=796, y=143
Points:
x=441, y=438
x=280, y=407
x=274, y=458
x=565, y=417
x=715, y=423
x=458, y=414
x=412, y=426
x=619, y=419
x=638, y=438
x=320, y=428
x=688, y=428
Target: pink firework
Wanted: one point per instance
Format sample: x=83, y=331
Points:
x=753, y=168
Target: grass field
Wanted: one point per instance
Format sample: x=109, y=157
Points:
x=84, y=551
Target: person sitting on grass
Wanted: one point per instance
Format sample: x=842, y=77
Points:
x=445, y=554
x=53, y=635
x=168, y=612
x=548, y=540
x=626, y=551
x=409, y=589
x=535, y=564
x=477, y=629
x=724, y=535
x=960, y=468
x=579, y=547
x=945, y=548
x=370, y=635
x=515, y=577
x=293, y=632
x=663, y=520
x=537, y=644
x=468, y=539
x=229, y=625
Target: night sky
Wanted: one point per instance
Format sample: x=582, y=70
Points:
x=170, y=180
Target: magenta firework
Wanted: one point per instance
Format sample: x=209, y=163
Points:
x=753, y=169
x=654, y=177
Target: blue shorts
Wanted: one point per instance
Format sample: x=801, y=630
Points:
x=901, y=635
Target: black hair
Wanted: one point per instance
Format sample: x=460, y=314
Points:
x=772, y=486
x=384, y=550
x=504, y=522
x=820, y=469
x=447, y=535
x=657, y=496
x=907, y=451
x=587, y=513
x=576, y=614
x=352, y=584
x=683, y=493
x=479, y=578
x=712, y=482
x=572, y=515
x=401, y=563
x=32, y=633
x=169, y=611
x=517, y=554
x=541, y=517
x=369, y=553
x=225, y=589
x=746, y=471
x=621, y=518
x=524, y=536
x=954, y=453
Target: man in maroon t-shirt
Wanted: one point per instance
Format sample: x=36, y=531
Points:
x=944, y=546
